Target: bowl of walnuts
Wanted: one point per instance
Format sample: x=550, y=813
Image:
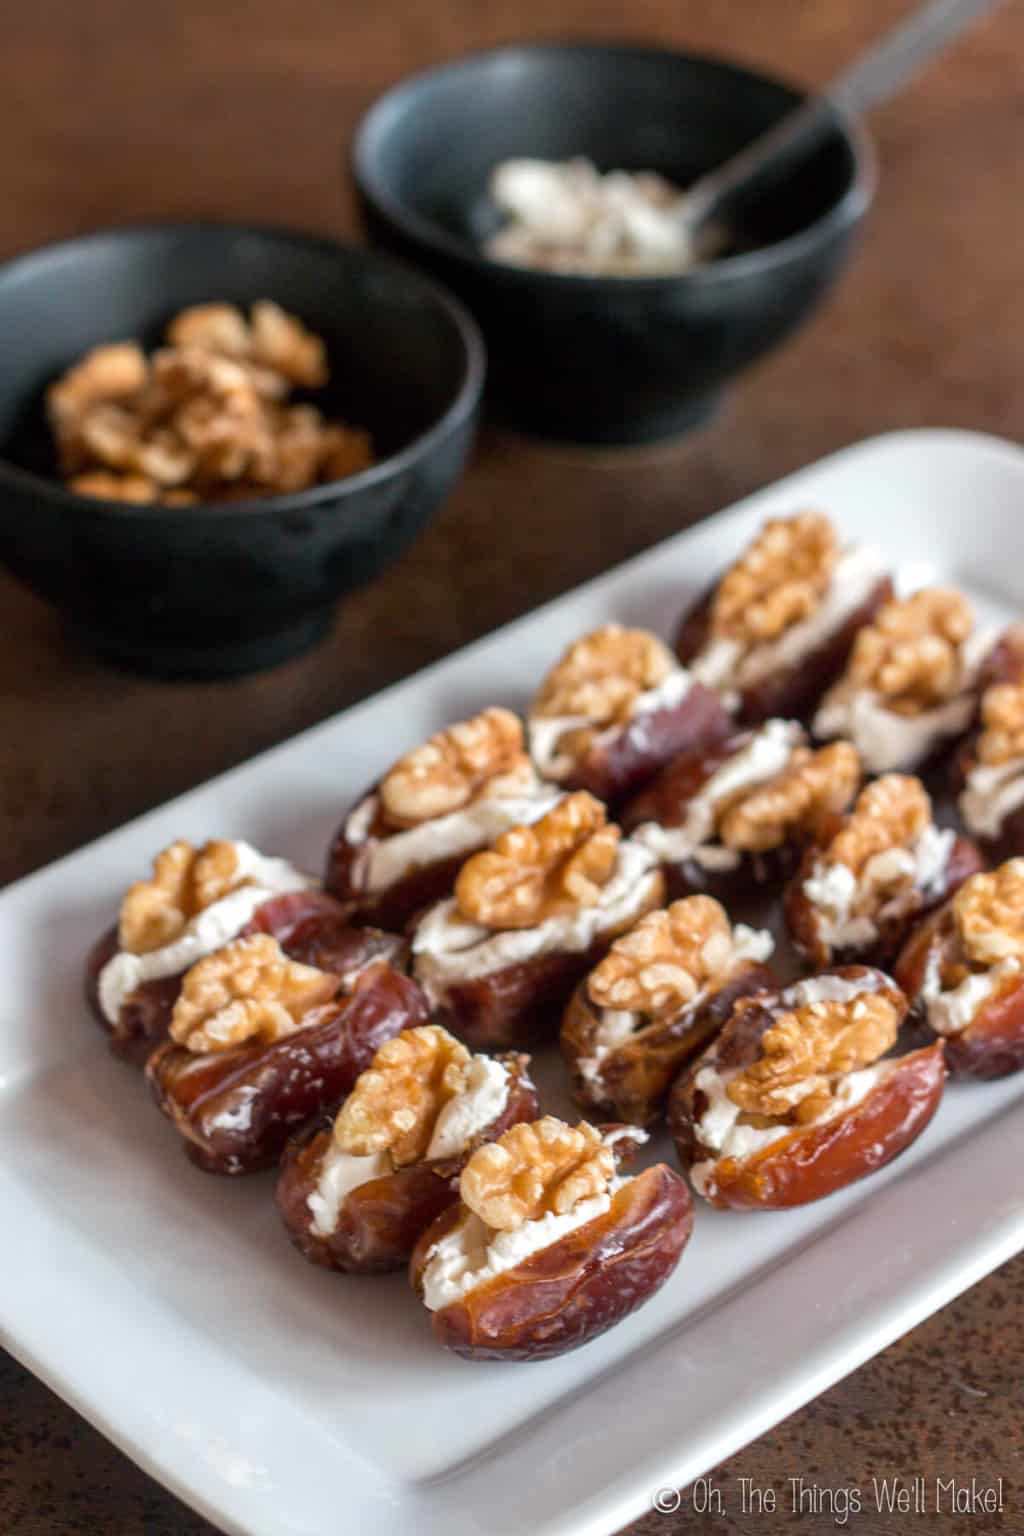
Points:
x=209, y=434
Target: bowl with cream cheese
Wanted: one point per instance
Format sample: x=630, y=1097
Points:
x=538, y=182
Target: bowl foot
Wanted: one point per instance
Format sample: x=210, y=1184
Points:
x=175, y=658
x=656, y=425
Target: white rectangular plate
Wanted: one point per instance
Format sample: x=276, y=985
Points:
x=168, y=1308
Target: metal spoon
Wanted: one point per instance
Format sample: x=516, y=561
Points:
x=875, y=76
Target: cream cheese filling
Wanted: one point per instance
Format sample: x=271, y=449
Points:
x=209, y=930
x=382, y=862
x=764, y=756
x=546, y=731
x=835, y=891
x=950, y=1012
x=724, y=663
x=448, y=949
x=992, y=793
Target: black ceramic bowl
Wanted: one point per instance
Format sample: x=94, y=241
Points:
x=608, y=359
x=213, y=591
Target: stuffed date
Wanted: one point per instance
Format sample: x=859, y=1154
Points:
x=777, y=629
x=661, y=993
x=615, y=708
x=262, y=1044
x=796, y=1099
x=194, y=902
x=742, y=812
x=548, y=1247
x=861, y=889
x=988, y=773
x=964, y=972
x=912, y=683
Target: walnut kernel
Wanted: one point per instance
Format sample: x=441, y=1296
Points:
x=909, y=655
x=249, y=990
x=812, y=786
x=113, y=372
x=806, y=1047
x=779, y=580
x=532, y=873
x=454, y=767
x=536, y=1169
x=661, y=964
x=1002, y=719
x=107, y=486
x=889, y=813
x=185, y=880
x=396, y=1101
x=988, y=911
x=601, y=674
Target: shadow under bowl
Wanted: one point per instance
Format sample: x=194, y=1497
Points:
x=609, y=359
x=219, y=590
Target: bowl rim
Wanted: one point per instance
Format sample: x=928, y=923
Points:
x=465, y=402
x=847, y=210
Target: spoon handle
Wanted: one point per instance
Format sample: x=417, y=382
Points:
x=883, y=67
x=876, y=75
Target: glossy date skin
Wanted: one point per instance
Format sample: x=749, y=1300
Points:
x=379, y=1222
x=309, y=925
x=992, y=1045
x=633, y=1079
x=518, y=1006
x=619, y=764
x=794, y=693
x=806, y=924
x=809, y=1162
x=575, y=1289
x=237, y=1108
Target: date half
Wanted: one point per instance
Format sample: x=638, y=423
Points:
x=575, y=1289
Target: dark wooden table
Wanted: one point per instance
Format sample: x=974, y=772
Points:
x=116, y=111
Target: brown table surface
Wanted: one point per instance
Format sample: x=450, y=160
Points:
x=116, y=111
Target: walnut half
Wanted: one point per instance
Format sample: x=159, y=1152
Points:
x=454, y=767
x=661, y=964
x=988, y=912
x=1002, y=720
x=602, y=673
x=891, y=812
x=546, y=1167
x=396, y=1101
x=909, y=655
x=557, y=865
x=812, y=786
x=185, y=880
x=249, y=990
x=807, y=1046
x=779, y=580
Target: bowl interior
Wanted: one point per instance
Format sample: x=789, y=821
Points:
x=397, y=355
x=428, y=147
